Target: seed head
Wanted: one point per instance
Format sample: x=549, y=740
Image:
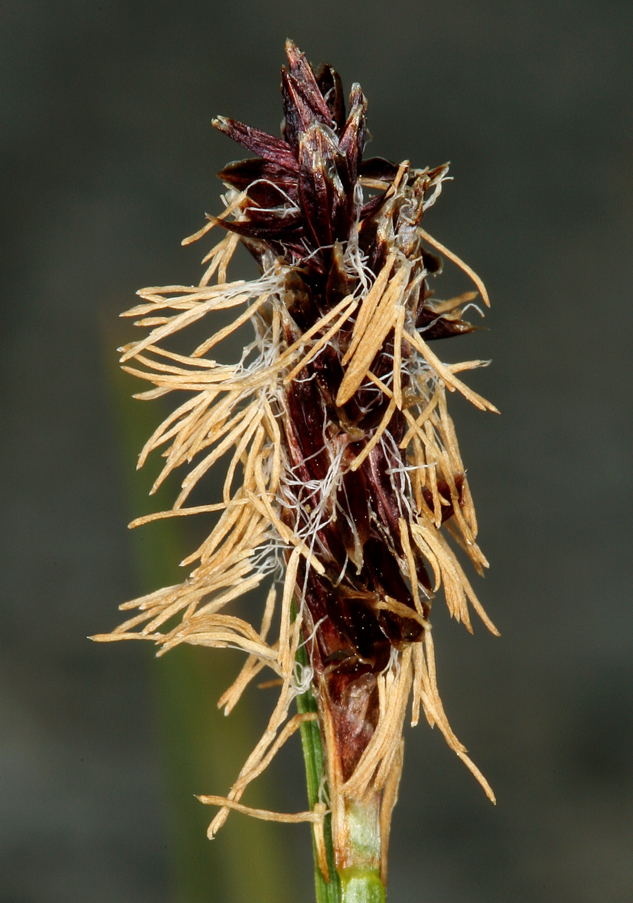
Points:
x=345, y=484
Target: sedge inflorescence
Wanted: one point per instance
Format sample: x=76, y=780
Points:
x=345, y=491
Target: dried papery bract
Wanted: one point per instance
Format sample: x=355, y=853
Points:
x=345, y=488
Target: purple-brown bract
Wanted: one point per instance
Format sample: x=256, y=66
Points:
x=336, y=419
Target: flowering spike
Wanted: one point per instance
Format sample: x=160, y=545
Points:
x=345, y=482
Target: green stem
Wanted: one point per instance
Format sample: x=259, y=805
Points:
x=315, y=770
x=360, y=850
x=362, y=886
x=361, y=882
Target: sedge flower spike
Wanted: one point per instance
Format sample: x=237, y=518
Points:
x=345, y=486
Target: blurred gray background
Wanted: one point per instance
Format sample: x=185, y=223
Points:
x=108, y=160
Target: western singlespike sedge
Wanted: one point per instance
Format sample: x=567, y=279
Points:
x=345, y=492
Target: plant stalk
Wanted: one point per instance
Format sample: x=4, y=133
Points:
x=354, y=874
x=326, y=891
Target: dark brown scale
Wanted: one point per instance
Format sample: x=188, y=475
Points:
x=352, y=698
x=266, y=225
x=308, y=416
x=352, y=499
x=384, y=573
x=352, y=140
x=382, y=498
x=299, y=301
x=268, y=183
x=329, y=374
x=303, y=80
x=378, y=168
x=330, y=639
x=331, y=87
x=297, y=114
x=339, y=285
x=264, y=145
x=355, y=618
x=325, y=189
